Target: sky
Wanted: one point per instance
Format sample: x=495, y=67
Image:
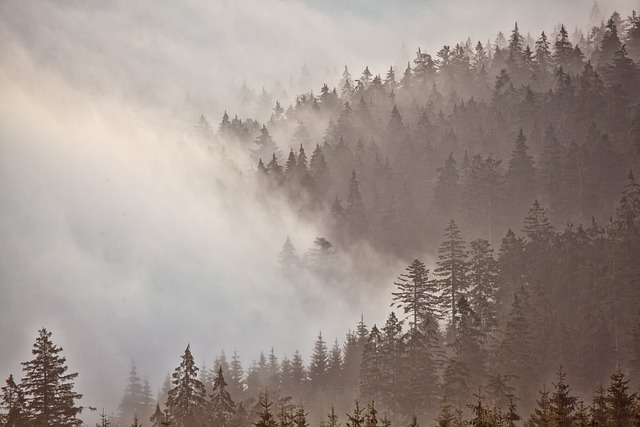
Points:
x=126, y=238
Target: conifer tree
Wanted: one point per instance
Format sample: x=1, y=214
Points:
x=221, y=406
x=265, y=146
x=391, y=349
x=451, y=272
x=186, y=399
x=416, y=294
x=482, y=279
x=355, y=214
x=520, y=183
x=132, y=400
x=620, y=403
x=542, y=415
x=356, y=419
x=445, y=416
x=265, y=414
x=371, y=366
x=446, y=192
x=104, y=420
x=158, y=418
x=14, y=405
x=563, y=405
x=318, y=365
x=48, y=388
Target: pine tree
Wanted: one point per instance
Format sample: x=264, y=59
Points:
x=542, y=415
x=370, y=367
x=447, y=191
x=563, y=405
x=132, y=400
x=391, y=349
x=416, y=294
x=48, y=388
x=158, y=418
x=334, y=368
x=221, y=406
x=265, y=414
x=445, y=416
x=356, y=419
x=288, y=259
x=520, y=183
x=236, y=378
x=451, y=271
x=482, y=280
x=355, y=213
x=104, y=420
x=515, y=350
x=136, y=421
x=266, y=147
x=186, y=399
x=620, y=403
x=318, y=365
x=332, y=418
x=14, y=405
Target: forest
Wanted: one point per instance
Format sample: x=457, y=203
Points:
x=520, y=154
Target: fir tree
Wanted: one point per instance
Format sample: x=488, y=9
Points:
x=451, y=271
x=318, y=365
x=563, y=405
x=186, y=399
x=265, y=414
x=132, y=400
x=222, y=407
x=14, y=405
x=48, y=388
x=620, y=403
x=355, y=214
x=483, y=284
x=416, y=294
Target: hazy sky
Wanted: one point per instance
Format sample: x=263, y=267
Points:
x=122, y=235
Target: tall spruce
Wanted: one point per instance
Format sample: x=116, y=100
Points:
x=451, y=272
x=48, y=388
x=186, y=400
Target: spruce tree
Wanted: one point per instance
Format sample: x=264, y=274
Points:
x=48, y=388
x=483, y=285
x=520, y=183
x=221, y=405
x=451, y=272
x=264, y=412
x=132, y=400
x=447, y=191
x=355, y=214
x=14, y=405
x=416, y=294
x=186, y=400
x=563, y=405
x=371, y=366
x=620, y=403
x=318, y=365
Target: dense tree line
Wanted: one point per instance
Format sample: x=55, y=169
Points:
x=474, y=132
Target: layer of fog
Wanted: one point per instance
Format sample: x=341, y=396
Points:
x=122, y=234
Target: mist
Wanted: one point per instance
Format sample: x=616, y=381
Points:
x=124, y=234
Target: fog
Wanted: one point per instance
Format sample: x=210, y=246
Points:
x=123, y=234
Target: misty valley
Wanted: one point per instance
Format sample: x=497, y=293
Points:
x=475, y=210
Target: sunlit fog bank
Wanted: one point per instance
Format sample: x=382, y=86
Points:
x=126, y=233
